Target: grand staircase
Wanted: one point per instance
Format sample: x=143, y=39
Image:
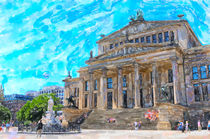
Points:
x=169, y=115
x=125, y=119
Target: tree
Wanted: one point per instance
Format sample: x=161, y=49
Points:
x=5, y=114
x=35, y=109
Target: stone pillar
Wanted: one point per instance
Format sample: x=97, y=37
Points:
x=81, y=96
x=175, y=79
x=208, y=91
x=201, y=92
x=103, y=89
x=130, y=90
x=136, y=85
x=66, y=94
x=154, y=85
x=120, y=89
x=90, y=106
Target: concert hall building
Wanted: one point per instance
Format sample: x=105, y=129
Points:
x=144, y=64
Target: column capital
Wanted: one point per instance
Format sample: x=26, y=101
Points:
x=136, y=64
x=174, y=58
x=119, y=67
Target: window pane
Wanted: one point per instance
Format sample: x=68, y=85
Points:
x=203, y=72
x=170, y=76
x=116, y=44
x=111, y=46
x=148, y=39
x=121, y=43
x=166, y=36
x=172, y=36
x=131, y=41
x=142, y=39
x=209, y=70
x=140, y=79
x=160, y=38
x=195, y=73
x=124, y=81
x=96, y=83
x=109, y=83
x=154, y=38
x=86, y=85
x=137, y=40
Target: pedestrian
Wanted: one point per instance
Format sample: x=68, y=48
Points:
x=135, y=125
x=39, y=129
x=208, y=126
x=187, y=126
x=183, y=128
x=199, y=125
x=7, y=126
x=139, y=126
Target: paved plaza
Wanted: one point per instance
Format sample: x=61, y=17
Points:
x=115, y=134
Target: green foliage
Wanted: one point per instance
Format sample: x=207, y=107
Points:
x=5, y=114
x=35, y=109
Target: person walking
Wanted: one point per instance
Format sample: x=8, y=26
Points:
x=39, y=129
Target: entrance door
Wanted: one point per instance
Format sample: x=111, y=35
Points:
x=109, y=100
x=95, y=100
x=141, y=98
x=124, y=98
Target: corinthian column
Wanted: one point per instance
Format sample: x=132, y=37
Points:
x=103, y=89
x=154, y=85
x=136, y=84
x=175, y=79
x=120, y=91
x=90, y=90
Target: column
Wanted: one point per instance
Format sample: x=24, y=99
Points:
x=103, y=89
x=201, y=92
x=120, y=89
x=175, y=79
x=136, y=84
x=66, y=94
x=81, y=96
x=154, y=85
x=90, y=90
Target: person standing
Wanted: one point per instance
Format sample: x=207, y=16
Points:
x=39, y=129
x=208, y=126
x=186, y=126
x=199, y=125
x=136, y=125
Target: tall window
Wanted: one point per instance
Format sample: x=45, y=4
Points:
x=96, y=85
x=151, y=78
x=154, y=38
x=140, y=79
x=109, y=83
x=148, y=39
x=160, y=38
x=196, y=92
x=172, y=36
x=136, y=40
x=116, y=44
x=209, y=70
x=166, y=36
x=205, y=92
x=86, y=97
x=86, y=86
x=203, y=72
x=195, y=73
x=170, y=76
x=142, y=39
x=131, y=41
x=111, y=46
x=121, y=43
x=124, y=81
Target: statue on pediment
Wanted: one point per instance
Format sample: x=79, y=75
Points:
x=138, y=17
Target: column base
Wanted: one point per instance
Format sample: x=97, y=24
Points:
x=136, y=107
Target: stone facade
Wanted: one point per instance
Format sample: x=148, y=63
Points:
x=144, y=64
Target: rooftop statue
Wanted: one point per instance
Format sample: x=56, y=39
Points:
x=138, y=17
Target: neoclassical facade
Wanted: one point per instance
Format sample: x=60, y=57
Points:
x=143, y=64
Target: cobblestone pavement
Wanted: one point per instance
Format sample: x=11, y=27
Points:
x=115, y=134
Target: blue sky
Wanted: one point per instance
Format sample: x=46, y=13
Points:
x=42, y=39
